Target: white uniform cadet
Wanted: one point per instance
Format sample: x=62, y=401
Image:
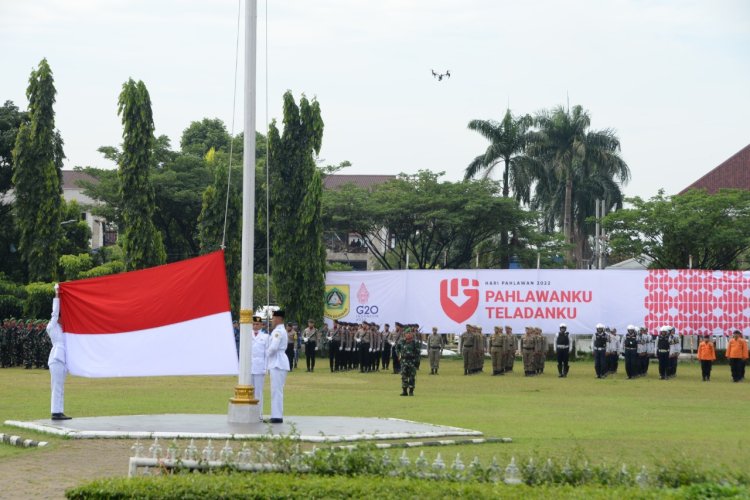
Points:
x=278, y=367
x=56, y=361
x=258, y=365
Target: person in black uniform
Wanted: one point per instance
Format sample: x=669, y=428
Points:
x=662, y=352
x=334, y=342
x=562, y=349
x=630, y=351
x=310, y=339
x=386, y=347
x=600, y=351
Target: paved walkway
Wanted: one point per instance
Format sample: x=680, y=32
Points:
x=47, y=473
x=203, y=426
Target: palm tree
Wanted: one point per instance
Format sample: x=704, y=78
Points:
x=507, y=142
x=573, y=167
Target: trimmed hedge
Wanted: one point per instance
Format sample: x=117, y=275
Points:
x=112, y=267
x=266, y=485
x=38, y=303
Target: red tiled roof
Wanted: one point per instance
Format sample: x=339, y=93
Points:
x=71, y=178
x=364, y=181
x=734, y=173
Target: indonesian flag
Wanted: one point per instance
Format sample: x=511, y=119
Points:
x=168, y=320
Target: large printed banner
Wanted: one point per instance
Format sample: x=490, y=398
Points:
x=694, y=302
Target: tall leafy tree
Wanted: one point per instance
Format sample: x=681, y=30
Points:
x=507, y=143
x=211, y=220
x=204, y=135
x=439, y=224
x=567, y=156
x=37, y=159
x=713, y=229
x=141, y=241
x=11, y=119
x=298, y=260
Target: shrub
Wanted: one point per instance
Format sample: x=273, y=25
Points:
x=10, y=307
x=11, y=298
x=38, y=303
x=73, y=265
x=267, y=485
x=113, y=267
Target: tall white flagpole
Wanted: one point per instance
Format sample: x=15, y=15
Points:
x=243, y=407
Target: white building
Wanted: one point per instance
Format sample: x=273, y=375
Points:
x=72, y=190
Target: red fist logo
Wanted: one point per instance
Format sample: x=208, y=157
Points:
x=469, y=288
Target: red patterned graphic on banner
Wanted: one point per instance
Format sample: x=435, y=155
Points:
x=698, y=302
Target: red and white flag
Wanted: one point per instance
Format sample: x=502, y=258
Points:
x=168, y=320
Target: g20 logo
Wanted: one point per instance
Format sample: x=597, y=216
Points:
x=367, y=310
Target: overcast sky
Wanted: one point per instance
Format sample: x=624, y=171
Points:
x=672, y=78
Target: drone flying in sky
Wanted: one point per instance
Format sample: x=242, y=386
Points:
x=440, y=76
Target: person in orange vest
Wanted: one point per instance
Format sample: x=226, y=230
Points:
x=737, y=355
x=706, y=355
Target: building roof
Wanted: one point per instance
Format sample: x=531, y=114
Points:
x=641, y=262
x=734, y=173
x=71, y=178
x=335, y=181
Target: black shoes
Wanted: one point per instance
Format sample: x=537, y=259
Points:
x=60, y=416
x=277, y=420
x=411, y=391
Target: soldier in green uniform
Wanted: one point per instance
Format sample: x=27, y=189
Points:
x=467, y=347
x=497, y=344
x=45, y=346
x=408, y=351
x=28, y=344
x=4, y=344
x=510, y=349
x=434, y=349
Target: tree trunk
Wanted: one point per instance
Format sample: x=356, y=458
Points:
x=568, y=217
x=504, y=244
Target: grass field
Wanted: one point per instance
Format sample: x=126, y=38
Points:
x=642, y=421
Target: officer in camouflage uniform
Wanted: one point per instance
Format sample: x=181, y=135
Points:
x=12, y=338
x=408, y=351
x=510, y=349
x=28, y=344
x=5, y=344
x=467, y=348
x=497, y=349
x=396, y=337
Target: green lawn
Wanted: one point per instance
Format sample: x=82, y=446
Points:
x=614, y=420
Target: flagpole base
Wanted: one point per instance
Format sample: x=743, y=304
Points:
x=243, y=407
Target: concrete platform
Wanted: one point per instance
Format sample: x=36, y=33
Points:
x=203, y=426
